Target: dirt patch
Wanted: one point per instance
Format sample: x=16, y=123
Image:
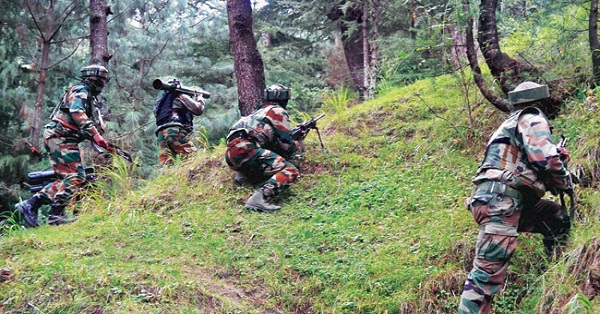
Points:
x=206, y=171
x=586, y=265
x=5, y=275
x=440, y=291
x=224, y=285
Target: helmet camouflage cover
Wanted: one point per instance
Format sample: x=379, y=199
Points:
x=94, y=71
x=527, y=92
x=277, y=92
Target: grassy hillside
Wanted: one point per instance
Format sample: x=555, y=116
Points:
x=375, y=224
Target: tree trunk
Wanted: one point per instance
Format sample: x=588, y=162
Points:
x=594, y=42
x=99, y=32
x=374, y=49
x=496, y=101
x=353, y=44
x=508, y=71
x=36, y=131
x=48, y=24
x=247, y=62
x=366, y=54
x=413, y=20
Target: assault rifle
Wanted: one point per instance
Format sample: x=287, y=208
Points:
x=118, y=150
x=570, y=192
x=175, y=86
x=300, y=131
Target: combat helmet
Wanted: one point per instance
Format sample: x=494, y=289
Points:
x=96, y=76
x=528, y=92
x=278, y=93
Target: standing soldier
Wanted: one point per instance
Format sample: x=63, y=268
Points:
x=257, y=146
x=521, y=161
x=174, y=114
x=75, y=119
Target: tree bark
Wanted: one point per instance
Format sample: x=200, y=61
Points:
x=374, y=49
x=500, y=103
x=508, y=71
x=48, y=23
x=353, y=44
x=594, y=42
x=247, y=61
x=366, y=55
x=99, y=12
x=36, y=131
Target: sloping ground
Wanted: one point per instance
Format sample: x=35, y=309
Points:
x=375, y=224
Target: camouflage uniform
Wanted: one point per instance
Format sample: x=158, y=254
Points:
x=258, y=144
x=173, y=134
x=520, y=161
x=75, y=119
x=71, y=125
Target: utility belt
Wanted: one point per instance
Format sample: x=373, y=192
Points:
x=496, y=187
x=186, y=128
x=61, y=128
x=65, y=124
x=238, y=134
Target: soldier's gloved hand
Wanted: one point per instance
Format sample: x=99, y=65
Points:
x=98, y=139
x=564, y=154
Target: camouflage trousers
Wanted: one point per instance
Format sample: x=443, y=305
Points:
x=173, y=141
x=502, y=213
x=65, y=158
x=253, y=161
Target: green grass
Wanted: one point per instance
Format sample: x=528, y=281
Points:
x=375, y=224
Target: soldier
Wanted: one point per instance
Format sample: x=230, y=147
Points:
x=521, y=162
x=174, y=114
x=75, y=119
x=257, y=147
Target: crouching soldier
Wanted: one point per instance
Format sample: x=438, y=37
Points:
x=521, y=161
x=257, y=148
x=75, y=119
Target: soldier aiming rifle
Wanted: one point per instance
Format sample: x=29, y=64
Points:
x=258, y=146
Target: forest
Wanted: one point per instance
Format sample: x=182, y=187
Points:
x=411, y=91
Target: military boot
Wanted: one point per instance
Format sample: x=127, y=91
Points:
x=554, y=246
x=57, y=216
x=29, y=209
x=258, y=202
x=241, y=179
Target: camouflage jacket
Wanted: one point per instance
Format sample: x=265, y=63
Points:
x=77, y=114
x=269, y=126
x=521, y=154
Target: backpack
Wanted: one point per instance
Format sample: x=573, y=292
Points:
x=164, y=108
